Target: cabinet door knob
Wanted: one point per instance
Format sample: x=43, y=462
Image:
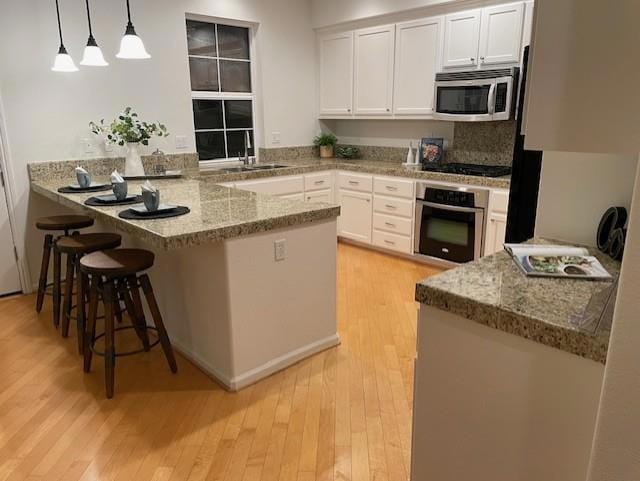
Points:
x=472, y=59
x=481, y=58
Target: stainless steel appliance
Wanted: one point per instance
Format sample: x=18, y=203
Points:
x=450, y=222
x=476, y=95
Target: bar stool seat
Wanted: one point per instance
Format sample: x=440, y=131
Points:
x=76, y=246
x=114, y=273
x=64, y=223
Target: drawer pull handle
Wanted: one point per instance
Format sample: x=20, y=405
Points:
x=391, y=187
x=390, y=206
x=319, y=182
x=354, y=182
x=390, y=224
x=387, y=241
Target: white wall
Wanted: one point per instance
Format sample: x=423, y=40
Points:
x=576, y=189
x=46, y=113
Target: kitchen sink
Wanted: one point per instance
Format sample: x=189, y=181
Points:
x=237, y=169
x=267, y=167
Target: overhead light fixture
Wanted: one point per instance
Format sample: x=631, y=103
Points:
x=63, y=61
x=92, y=54
x=131, y=46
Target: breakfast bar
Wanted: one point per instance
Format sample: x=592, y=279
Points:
x=231, y=303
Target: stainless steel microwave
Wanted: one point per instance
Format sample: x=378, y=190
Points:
x=477, y=95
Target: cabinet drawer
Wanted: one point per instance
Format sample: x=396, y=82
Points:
x=275, y=186
x=317, y=181
x=393, y=187
x=389, y=205
x=388, y=223
x=392, y=241
x=499, y=201
x=362, y=183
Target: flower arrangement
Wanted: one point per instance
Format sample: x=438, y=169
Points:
x=128, y=128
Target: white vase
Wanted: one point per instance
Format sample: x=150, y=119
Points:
x=133, y=163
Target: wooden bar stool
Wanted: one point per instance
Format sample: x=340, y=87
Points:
x=66, y=224
x=113, y=273
x=76, y=246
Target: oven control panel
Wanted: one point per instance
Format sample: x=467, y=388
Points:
x=450, y=197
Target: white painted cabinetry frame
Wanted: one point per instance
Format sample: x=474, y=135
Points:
x=336, y=74
x=501, y=34
x=461, y=39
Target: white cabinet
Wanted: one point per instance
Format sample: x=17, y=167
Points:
x=496, y=221
x=461, y=39
x=501, y=34
x=355, y=215
x=374, y=52
x=319, y=196
x=336, y=74
x=417, y=59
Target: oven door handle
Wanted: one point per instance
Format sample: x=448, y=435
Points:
x=454, y=208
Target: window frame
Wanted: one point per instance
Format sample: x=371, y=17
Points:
x=222, y=96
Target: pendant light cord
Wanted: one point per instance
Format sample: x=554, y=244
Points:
x=59, y=26
x=89, y=19
x=128, y=12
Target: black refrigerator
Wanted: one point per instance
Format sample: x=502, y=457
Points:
x=525, y=176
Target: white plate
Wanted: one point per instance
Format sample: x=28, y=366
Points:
x=141, y=209
x=93, y=185
x=112, y=198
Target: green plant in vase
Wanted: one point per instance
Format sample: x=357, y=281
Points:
x=129, y=130
x=326, y=142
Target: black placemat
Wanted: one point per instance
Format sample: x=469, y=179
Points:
x=94, y=202
x=132, y=215
x=97, y=188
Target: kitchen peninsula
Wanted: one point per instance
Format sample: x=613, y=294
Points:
x=228, y=304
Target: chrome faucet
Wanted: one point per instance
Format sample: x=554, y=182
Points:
x=247, y=146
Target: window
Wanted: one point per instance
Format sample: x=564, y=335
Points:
x=221, y=89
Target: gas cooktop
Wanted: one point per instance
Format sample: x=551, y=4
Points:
x=469, y=169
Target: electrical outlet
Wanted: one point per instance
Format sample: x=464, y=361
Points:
x=275, y=138
x=280, y=249
x=181, y=141
x=88, y=146
x=108, y=146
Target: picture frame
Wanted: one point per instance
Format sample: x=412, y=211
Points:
x=431, y=150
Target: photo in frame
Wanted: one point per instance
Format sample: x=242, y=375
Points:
x=431, y=151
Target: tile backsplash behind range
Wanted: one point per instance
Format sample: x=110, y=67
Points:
x=487, y=143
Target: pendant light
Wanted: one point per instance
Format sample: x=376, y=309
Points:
x=63, y=61
x=131, y=46
x=92, y=54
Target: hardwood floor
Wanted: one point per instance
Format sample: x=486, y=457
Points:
x=344, y=414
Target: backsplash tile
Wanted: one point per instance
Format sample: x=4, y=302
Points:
x=488, y=143
x=287, y=153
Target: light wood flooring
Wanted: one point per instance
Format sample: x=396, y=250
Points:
x=344, y=414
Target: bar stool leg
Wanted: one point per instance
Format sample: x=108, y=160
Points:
x=135, y=320
x=134, y=289
x=44, y=271
x=109, y=299
x=157, y=320
x=68, y=294
x=57, y=260
x=81, y=282
x=90, y=328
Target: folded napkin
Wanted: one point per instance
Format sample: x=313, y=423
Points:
x=148, y=187
x=80, y=170
x=116, y=178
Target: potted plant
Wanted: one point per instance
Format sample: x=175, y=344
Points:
x=326, y=142
x=128, y=130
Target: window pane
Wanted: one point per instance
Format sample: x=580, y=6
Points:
x=238, y=114
x=235, y=76
x=204, y=74
x=207, y=114
x=233, y=42
x=235, y=142
x=201, y=38
x=210, y=145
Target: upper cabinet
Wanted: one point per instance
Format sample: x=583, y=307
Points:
x=336, y=74
x=461, y=39
x=374, y=53
x=417, y=59
x=501, y=34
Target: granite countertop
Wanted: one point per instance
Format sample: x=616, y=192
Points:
x=494, y=292
x=378, y=167
x=217, y=212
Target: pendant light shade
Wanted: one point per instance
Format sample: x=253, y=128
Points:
x=92, y=54
x=63, y=61
x=131, y=46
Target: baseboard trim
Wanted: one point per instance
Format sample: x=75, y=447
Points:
x=252, y=376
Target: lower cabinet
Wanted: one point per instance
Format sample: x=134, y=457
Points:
x=355, y=215
x=496, y=231
x=319, y=196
